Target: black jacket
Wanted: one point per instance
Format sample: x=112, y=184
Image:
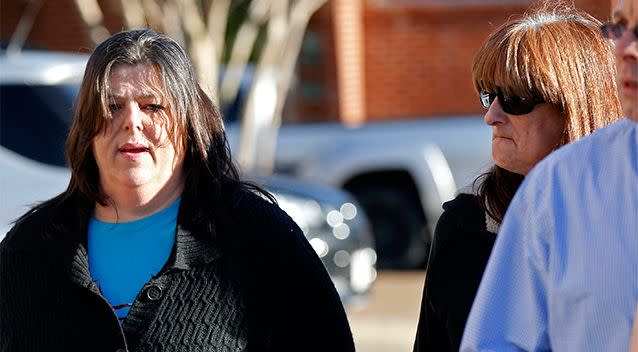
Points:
x=458, y=257
x=259, y=286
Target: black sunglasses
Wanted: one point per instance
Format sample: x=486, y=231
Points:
x=510, y=104
x=615, y=30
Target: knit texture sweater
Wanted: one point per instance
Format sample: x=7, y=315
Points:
x=257, y=286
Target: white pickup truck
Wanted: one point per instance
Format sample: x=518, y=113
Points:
x=399, y=171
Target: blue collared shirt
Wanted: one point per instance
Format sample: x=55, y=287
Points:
x=563, y=274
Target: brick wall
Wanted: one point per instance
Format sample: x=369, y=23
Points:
x=57, y=25
x=418, y=59
x=418, y=56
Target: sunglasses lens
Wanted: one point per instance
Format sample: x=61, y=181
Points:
x=615, y=30
x=487, y=99
x=608, y=31
x=517, y=105
x=511, y=105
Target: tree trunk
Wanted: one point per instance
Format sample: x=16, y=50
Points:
x=262, y=96
x=94, y=19
x=24, y=26
x=299, y=17
x=242, y=48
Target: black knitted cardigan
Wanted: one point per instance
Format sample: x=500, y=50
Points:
x=258, y=286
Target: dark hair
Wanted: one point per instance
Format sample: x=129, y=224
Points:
x=557, y=53
x=197, y=125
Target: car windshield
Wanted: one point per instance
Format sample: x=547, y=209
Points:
x=35, y=120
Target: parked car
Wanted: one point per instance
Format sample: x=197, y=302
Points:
x=400, y=170
x=37, y=90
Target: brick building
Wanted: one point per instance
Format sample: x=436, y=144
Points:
x=412, y=58
x=362, y=60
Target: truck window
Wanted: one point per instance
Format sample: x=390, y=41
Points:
x=35, y=120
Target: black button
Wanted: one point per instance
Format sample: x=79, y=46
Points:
x=154, y=293
x=120, y=350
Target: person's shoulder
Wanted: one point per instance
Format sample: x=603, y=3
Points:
x=463, y=202
x=595, y=145
x=462, y=217
x=465, y=207
x=259, y=230
x=253, y=211
x=614, y=133
x=28, y=231
x=252, y=202
x=588, y=154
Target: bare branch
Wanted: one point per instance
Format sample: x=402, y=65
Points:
x=262, y=96
x=172, y=23
x=217, y=21
x=24, y=26
x=154, y=14
x=133, y=13
x=201, y=46
x=192, y=18
x=93, y=18
x=242, y=47
x=300, y=15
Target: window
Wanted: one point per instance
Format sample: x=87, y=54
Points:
x=35, y=120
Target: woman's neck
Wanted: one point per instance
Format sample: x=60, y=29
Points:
x=133, y=204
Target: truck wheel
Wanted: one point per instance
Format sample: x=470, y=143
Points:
x=398, y=226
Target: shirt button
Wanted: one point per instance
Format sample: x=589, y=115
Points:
x=154, y=293
x=120, y=350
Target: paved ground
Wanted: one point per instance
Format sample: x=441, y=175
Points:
x=386, y=321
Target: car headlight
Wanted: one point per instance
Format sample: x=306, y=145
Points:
x=340, y=236
x=362, y=269
x=307, y=213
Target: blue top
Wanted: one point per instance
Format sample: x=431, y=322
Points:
x=563, y=274
x=124, y=256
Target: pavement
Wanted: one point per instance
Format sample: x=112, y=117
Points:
x=386, y=320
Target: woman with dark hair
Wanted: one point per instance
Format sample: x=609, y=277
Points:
x=157, y=244
x=546, y=79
